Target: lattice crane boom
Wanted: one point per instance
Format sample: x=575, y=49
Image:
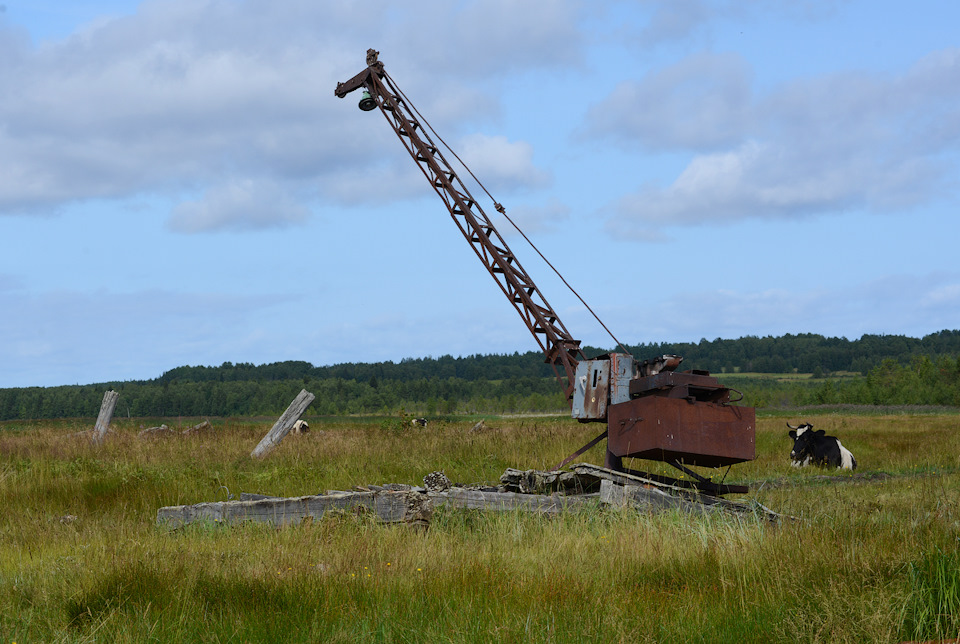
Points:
x=562, y=351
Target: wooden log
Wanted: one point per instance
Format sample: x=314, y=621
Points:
x=632, y=477
x=283, y=424
x=653, y=499
x=621, y=478
x=106, y=415
x=546, y=482
x=389, y=507
x=249, y=496
x=649, y=499
x=505, y=501
x=200, y=428
x=156, y=432
x=414, y=506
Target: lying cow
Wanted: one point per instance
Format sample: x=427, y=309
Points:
x=816, y=447
x=300, y=427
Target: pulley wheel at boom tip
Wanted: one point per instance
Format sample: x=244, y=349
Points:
x=367, y=102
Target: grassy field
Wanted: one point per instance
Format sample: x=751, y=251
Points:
x=871, y=557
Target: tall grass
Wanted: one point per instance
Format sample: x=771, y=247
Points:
x=932, y=609
x=869, y=558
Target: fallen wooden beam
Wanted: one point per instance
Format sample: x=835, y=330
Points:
x=414, y=505
x=388, y=506
x=652, y=499
x=595, y=472
x=632, y=477
x=505, y=501
x=155, y=432
x=200, y=428
x=546, y=482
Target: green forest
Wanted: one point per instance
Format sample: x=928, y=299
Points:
x=771, y=372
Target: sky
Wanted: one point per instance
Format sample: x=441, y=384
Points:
x=180, y=186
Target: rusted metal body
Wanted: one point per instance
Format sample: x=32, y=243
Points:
x=684, y=417
x=662, y=428
x=651, y=410
x=676, y=417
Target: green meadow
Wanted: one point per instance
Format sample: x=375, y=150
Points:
x=871, y=556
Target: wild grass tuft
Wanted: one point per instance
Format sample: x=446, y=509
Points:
x=932, y=609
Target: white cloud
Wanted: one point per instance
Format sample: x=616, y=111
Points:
x=755, y=180
x=912, y=305
x=238, y=205
x=500, y=164
x=945, y=295
x=185, y=92
x=489, y=37
x=704, y=101
x=675, y=20
x=682, y=20
x=811, y=146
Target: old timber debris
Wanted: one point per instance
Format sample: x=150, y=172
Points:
x=105, y=416
x=283, y=425
x=165, y=432
x=585, y=487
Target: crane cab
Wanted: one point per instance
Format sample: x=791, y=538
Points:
x=656, y=413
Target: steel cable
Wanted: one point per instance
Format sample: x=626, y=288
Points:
x=503, y=211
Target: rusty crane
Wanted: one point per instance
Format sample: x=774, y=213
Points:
x=651, y=410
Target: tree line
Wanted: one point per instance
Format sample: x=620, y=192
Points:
x=892, y=370
x=802, y=353
x=334, y=397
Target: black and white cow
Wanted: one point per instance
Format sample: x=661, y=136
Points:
x=815, y=447
x=419, y=422
x=300, y=427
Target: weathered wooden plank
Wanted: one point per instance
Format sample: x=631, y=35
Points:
x=504, y=501
x=249, y=496
x=632, y=477
x=622, y=478
x=650, y=498
x=388, y=507
x=654, y=499
x=283, y=424
x=200, y=428
x=155, y=432
x=106, y=415
x=622, y=489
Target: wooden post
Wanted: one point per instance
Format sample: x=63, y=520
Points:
x=283, y=425
x=106, y=415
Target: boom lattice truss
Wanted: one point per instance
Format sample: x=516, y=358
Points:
x=561, y=350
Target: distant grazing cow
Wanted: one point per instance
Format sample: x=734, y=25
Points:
x=816, y=447
x=419, y=422
x=300, y=427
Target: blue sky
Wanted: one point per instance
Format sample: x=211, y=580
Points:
x=181, y=187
